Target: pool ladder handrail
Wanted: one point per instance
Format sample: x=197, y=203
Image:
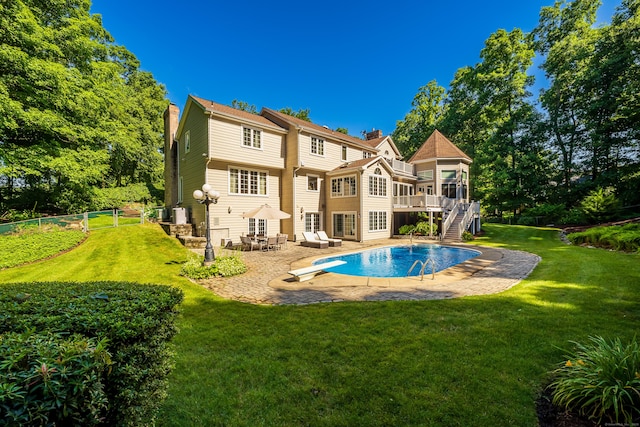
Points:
x=424, y=265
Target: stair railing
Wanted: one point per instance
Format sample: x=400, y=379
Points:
x=449, y=220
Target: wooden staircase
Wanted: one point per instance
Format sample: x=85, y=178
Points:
x=452, y=233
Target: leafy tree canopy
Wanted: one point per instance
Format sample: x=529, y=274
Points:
x=76, y=113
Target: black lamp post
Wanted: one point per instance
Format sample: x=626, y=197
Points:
x=207, y=196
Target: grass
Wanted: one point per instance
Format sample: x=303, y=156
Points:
x=473, y=361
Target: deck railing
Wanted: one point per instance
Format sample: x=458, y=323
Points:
x=424, y=201
x=400, y=166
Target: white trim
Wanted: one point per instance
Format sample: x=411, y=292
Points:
x=253, y=131
x=317, y=177
x=378, y=218
x=342, y=186
x=249, y=193
x=320, y=142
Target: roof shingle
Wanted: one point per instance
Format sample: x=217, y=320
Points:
x=438, y=146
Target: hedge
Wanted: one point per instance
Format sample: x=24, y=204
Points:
x=137, y=321
x=52, y=379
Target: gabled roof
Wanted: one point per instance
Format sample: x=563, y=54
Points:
x=230, y=112
x=377, y=142
x=438, y=146
x=361, y=164
x=313, y=128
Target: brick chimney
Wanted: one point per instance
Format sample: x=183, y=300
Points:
x=171, y=119
x=376, y=133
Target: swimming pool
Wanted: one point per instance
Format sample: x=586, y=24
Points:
x=395, y=261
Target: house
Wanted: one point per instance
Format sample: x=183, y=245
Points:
x=357, y=189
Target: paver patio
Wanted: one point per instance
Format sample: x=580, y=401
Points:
x=267, y=281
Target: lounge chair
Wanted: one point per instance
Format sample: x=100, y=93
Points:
x=249, y=244
x=312, y=241
x=332, y=242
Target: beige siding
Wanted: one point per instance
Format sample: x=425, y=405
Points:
x=191, y=165
x=227, y=144
x=226, y=216
x=331, y=159
x=386, y=150
x=376, y=203
x=349, y=204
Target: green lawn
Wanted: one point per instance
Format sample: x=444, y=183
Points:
x=477, y=361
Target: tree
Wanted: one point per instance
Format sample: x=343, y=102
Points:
x=422, y=120
x=77, y=113
x=516, y=140
x=302, y=114
x=566, y=38
x=244, y=106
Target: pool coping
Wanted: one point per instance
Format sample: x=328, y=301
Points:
x=266, y=281
x=493, y=271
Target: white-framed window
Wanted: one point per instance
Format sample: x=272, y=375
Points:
x=251, y=137
x=464, y=175
x=426, y=175
x=451, y=174
x=377, y=220
x=313, y=182
x=187, y=141
x=317, y=146
x=377, y=184
x=344, y=153
x=366, y=155
x=247, y=181
x=312, y=222
x=343, y=186
x=258, y=226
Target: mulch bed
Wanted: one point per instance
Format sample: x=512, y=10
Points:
x=550, y=415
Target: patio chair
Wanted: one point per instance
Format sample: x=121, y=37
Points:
x=282, y=240
x=248, y=244
x=332, y=242
x=312, y=241
x=271, y=243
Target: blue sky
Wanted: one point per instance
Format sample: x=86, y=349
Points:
x=353, y=64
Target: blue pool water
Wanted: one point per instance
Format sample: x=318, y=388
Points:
x=395, y=261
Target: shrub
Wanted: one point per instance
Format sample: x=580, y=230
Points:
x=52, y=379
x=601, y=381
x=422, y=227
x=467, y=236
x=406, y=229
x=621, y=238
x=137, y=320
x=600, y=205
x=545, y=213
x=573, y=216
x=224, y=266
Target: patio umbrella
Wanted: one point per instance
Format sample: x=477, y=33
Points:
x=266, y=212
